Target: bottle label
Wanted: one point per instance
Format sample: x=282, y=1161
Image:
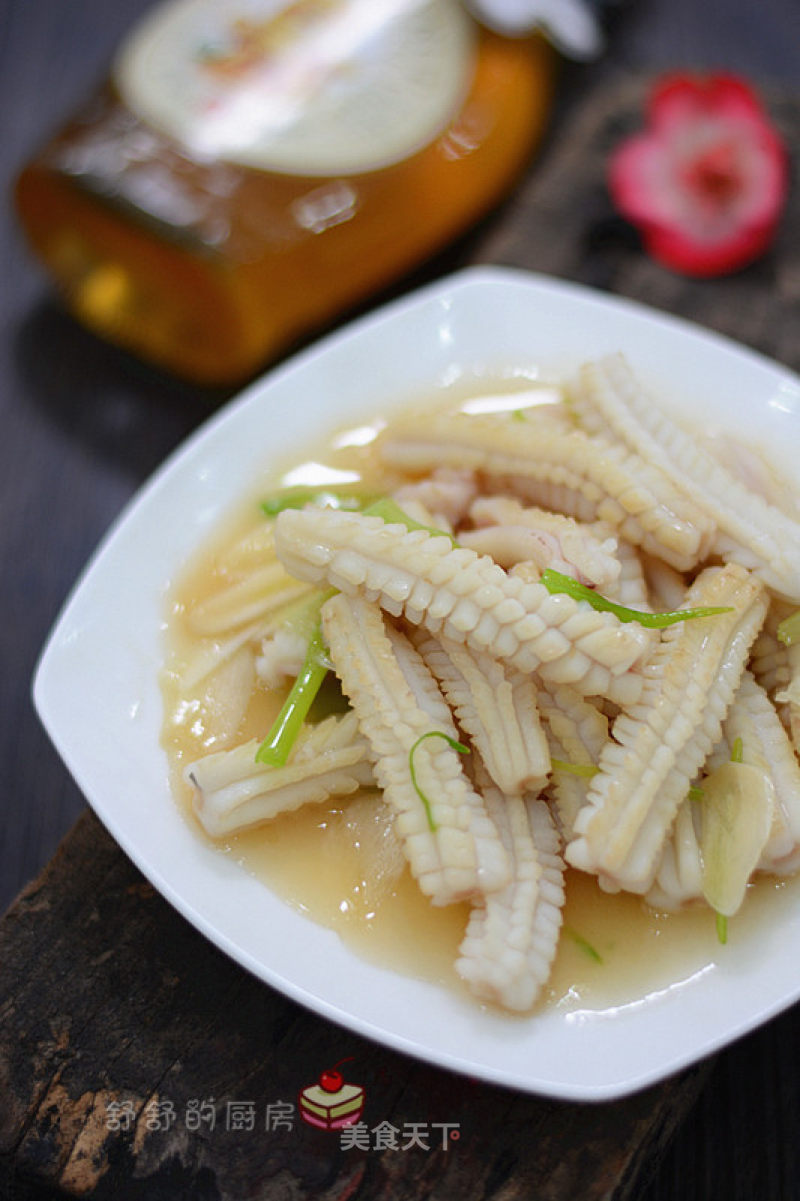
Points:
x=305, y=87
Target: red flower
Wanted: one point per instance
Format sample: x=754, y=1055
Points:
x=706, y=181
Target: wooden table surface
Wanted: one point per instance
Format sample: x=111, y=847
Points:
x=83, y=426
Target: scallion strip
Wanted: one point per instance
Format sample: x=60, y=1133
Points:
x=737, y=751
x=555, y=582
x=301, y=616
x=328, y=498
x=390, y=512
x=722, y=928
x=584, y=944
x=574, y=769
x=277, y=746
x=452, y=742
x=789, y=629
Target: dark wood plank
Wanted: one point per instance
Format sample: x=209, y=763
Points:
x=109, y=997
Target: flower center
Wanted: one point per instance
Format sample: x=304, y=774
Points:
x=715, y=174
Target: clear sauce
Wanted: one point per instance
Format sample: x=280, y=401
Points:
x=614, y=950
x=339, y=864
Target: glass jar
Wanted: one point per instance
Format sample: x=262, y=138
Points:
x=251, y=169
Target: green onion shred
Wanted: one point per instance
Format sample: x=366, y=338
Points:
x=555, y=582
x=452, y=742
x=584, y=944
x=390, y=512
x=322, y=497
x=277, y=746
x=575, y=769
x=789, y=629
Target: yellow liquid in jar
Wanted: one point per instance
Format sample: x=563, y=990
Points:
x=210, y=267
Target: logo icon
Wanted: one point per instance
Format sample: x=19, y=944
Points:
x=331, y=1103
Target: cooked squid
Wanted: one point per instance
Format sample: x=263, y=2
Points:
x=466, y=597
x=496, y=707
x=232, y=792
x=660, y=744
x=446, y=495
x=577, y=733
x=666, y=587
x=764, y=744
x=679, y=873
x=769, y=663
x=789, y=697
x=588, y=478
x=453, y=849
x=250, y=599
x=774, y=780
x=751, y=531
x=630, y=588
x=513, y=533
x=512, y=935
x=510, y=725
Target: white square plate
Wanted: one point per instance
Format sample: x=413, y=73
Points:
x=97, y=693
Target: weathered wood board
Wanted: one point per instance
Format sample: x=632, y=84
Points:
x=122, y=1028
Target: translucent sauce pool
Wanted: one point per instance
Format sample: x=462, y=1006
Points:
x=614, y=949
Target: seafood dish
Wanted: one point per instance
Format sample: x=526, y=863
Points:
x=563, y=637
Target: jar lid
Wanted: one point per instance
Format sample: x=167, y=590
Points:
x=306, y=87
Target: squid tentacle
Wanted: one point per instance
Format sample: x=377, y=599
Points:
x=453, y=849
x=577, y=733
x=769, y=663
x=594, y=479
x=631, y=587
x=446, y=495
x=765, y=744
x=511, y=937
x=751, y=531
x=679, y=875
x=496, y=707
x=658, y=746
x=587, y=552
x=232, y=792
x=467, y=598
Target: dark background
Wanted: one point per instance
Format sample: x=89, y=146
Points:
x=82, y=427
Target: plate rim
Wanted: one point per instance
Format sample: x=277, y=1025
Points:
x=467, y=279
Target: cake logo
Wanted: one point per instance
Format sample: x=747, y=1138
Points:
x=331, y=1103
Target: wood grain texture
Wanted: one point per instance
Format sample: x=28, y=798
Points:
x=109, y=997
